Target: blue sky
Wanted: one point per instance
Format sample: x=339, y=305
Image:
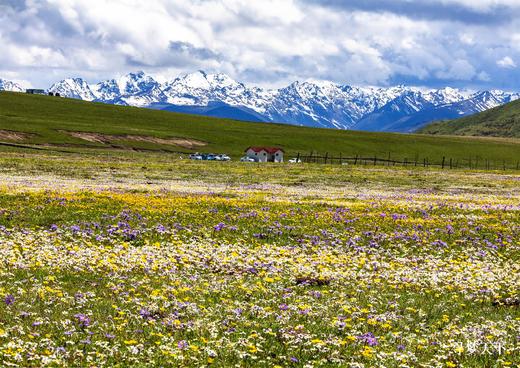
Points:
x=461, y=43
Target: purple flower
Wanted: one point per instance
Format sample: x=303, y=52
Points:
x=83, y=320
x=284, y=307
x=54, y=227
x=368, y=338
x=109, y=336
x=145, y=313
x=182, y=344
x=219, y=226
x=160, y=229
x=9, y=299
x=294, y=360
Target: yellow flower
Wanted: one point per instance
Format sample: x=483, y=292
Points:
x=367, y=352
x=130, y=342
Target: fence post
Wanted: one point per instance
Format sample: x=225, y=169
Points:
x=340, y=159
x=298, y=158
x=375, y=160
x=326, y=157
x=451, y=164
x=443, y=160
x=355, y=160
x=424, y=162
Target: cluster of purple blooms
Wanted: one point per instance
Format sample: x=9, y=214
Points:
x=83, y=320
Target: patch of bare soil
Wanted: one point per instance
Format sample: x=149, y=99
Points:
x=109, y=139
x=9, y=135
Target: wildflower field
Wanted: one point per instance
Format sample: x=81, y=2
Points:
x=144, y=262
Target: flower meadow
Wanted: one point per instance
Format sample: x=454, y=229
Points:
x=267, y=275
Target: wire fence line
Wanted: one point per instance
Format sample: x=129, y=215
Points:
x=476, y=162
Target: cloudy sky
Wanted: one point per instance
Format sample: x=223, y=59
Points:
x=433, y=43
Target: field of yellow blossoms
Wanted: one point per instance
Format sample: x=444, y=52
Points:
x=130, y=273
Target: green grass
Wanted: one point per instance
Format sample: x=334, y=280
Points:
x=45, y=118
x=502, y=121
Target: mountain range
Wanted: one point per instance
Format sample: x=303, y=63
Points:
x=310, y=103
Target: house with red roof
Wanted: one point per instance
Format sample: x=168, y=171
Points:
x=265, y=154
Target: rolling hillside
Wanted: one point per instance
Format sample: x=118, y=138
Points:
x=49, y=122
x=502, y=121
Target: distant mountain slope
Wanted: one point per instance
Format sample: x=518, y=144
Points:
x=6, y=85
x=217, y=110
x=502, y=121
x=310, y=103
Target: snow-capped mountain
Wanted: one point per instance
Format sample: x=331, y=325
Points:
x=135, y=89
x=73, y=88
x=6, y=85
x=310, y=103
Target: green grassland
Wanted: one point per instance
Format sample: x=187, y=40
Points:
x=502, y=121
x=46, y=121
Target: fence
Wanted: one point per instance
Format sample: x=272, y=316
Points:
x=476, y=162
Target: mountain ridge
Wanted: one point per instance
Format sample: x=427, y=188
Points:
x=309, y=103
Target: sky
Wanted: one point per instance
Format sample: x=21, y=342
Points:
x=270, y=43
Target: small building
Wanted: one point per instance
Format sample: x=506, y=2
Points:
x=265, y=154
x=33, y=91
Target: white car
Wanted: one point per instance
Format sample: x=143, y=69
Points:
x=247, y=159
x=195, y=157
x=223, y=157
x=295, y=161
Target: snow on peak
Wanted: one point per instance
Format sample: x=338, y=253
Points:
x=73, y=88
x=6, y=85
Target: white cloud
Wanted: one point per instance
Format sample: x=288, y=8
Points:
x=459, y=70
x=264, y=42
x=506, y=62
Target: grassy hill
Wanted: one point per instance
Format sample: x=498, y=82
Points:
x=50, y=123
x=502, y=121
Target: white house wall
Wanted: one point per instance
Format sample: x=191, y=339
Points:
x=264, y=156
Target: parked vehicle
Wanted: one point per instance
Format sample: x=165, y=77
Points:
x=247, y=159
x=295, y=161
x=209, y=157
x=223, y=157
